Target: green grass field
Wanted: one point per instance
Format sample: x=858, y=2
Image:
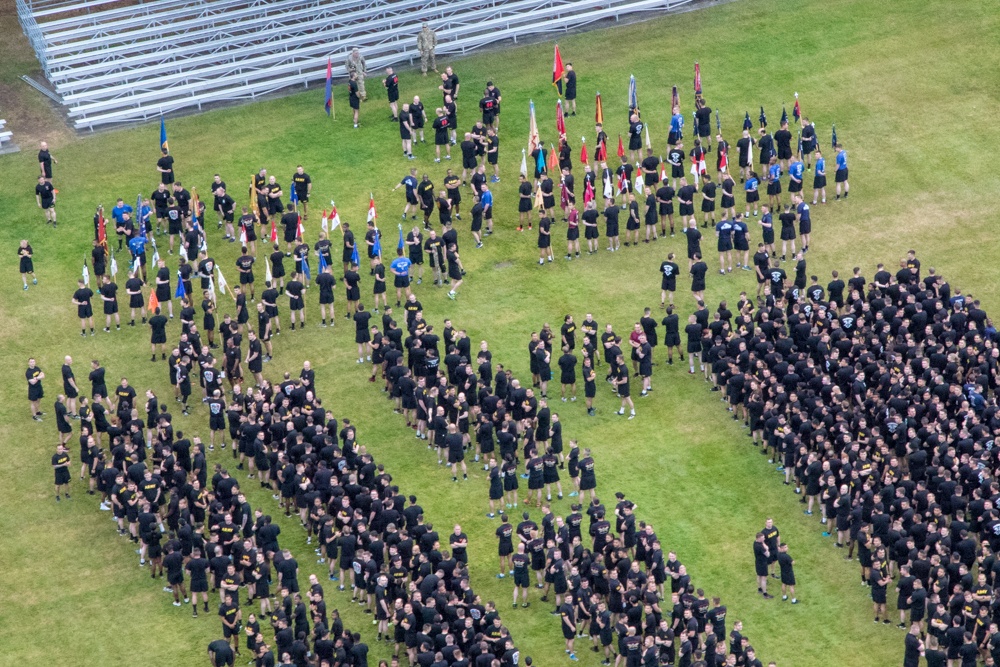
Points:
x=911, y=89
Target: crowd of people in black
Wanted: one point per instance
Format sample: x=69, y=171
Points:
x=197, y=526
x=876, y=400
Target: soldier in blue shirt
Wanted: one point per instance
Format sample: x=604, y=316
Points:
x=819, y=179
x=774, y=182
x=841, y=175
x=121, y=210
x=752, y=193
x=400, y=268
x=410, y=182
x=676, y=127
x=724, y=232
x=137, y=246
x=486, y=201
x=795, y=171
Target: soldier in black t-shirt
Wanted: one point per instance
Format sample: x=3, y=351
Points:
x=352, y=282
x=158, y=334
x=488, y=106
x=165, y=165
x=45, y=161
x=45, y=196
x=220, y=652
x=634, y=138
x=326, y=283
x=668, y=280
x=296, y=303
x=244, y=265
x=133, y=287
x=570, y=77
x=783, y=142
x=391, y=83
x=441, y=126
x=109, y=295
x=354, y=96
x=84, y=309
x=160, y=199
x=303, y=188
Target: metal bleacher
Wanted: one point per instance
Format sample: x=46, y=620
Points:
x=6, y=136
x=122, y=61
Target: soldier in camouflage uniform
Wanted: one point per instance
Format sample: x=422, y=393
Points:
x=426, y=41
x=356, y=65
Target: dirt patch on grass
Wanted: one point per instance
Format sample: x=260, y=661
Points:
x=30, y=115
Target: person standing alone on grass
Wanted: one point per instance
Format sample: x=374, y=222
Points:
x=45, y=161
x=45, y=197
x=25, y=264
x=36, y=393
x=426, y=43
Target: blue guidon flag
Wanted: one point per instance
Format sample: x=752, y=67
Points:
x=163, y=135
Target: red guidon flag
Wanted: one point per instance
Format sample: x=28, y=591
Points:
x=558, y=71
x=102, y=229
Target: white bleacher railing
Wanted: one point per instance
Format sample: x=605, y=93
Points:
x=5, y=136
x=121, y=61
